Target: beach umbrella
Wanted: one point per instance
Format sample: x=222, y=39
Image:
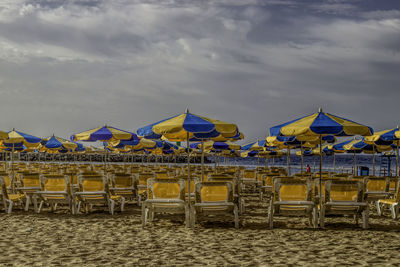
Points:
x=321, y=124
x=57, y=143
x=104, y=134
x=17, y=139
x=187, y=126
x=385, y=138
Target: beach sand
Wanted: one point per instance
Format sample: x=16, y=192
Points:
x=99, y=239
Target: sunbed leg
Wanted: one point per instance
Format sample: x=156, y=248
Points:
x=378, y=208
x=55, y=206
x=187, y=216
x=392, y=209
x=396, y=209
x=10, y=206
x=27, y=203
x=151, y=211
x=315, y=217
x=40, y=206
x=122, y=204
x=235, y=213
x=111, y=206
x=365, y=218
x=78, y=207
x=143, y=215
x=192, y=217
x=271, y=214
x=322, y=217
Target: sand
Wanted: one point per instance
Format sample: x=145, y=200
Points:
x=99, y=239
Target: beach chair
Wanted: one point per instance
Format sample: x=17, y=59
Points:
x=93, y=191
x=249, y=178
x=376, y=188
x=393, y=204
x=142, y=185
x=292, y=197
x=9, y=200
x=30, y=183
x=55, y=189
x=165, y=196
x=237, y=197
x=267, y=184
x=215, y=201
x=125, y=185
x=344, y=197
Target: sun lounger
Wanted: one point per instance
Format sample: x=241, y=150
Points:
x=165, y=196
x=292, y=197
x=215, y=201
x=344, y=197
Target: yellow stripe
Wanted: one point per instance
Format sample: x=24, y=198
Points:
x=300, y=127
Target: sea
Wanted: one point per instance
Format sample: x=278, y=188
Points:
x=343, y=163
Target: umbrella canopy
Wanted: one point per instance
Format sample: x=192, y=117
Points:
x=321, y=123
x=104, y=133
x=187, y=126
x=3, y=135
x=385, y=137
x=212, y=145
x=17, y=137
x=256, y=146
x=57, y=143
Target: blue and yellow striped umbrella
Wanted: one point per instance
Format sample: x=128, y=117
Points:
x=386, y=137
x=212, y=145
x=104, y=133
x=188, y=126
x=58, y=143
x=3, y=135
x=17, y=137
x=321, y=123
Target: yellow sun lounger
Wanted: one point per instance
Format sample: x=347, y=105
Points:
x=344, y=197
x=292, y=196
x=215, y=201
x=30, y=185
x=9, y=200
x=393, y=204
x=93, y=190
x=55, y=190
x=165, y=196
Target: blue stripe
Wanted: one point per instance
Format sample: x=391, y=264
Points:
x=53, y=143
x=325, y=125
x=195, y=124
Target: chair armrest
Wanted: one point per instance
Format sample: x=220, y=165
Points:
x=91, y=193
x=164, y=201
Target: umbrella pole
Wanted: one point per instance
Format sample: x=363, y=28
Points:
x=320, y=175
x=397, y=159
x=215, y=162
x=188, y=166
x=202, y=160
x=334, y=162
x=288, y=160
x=354, y=162
x=302, y=164
x=12, y=168
x=373, y=160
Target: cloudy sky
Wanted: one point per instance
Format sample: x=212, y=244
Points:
x=68, y=66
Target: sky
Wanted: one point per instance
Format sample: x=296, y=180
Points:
x=70, y=66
